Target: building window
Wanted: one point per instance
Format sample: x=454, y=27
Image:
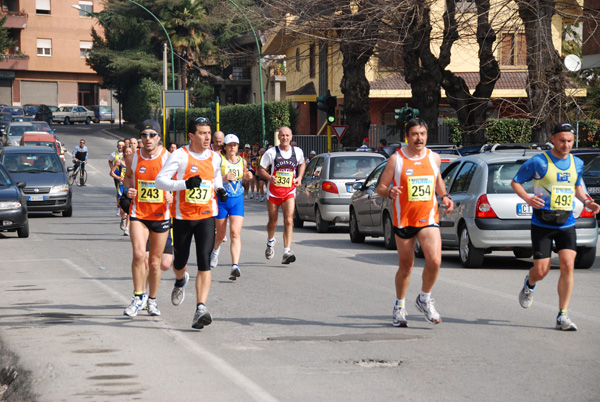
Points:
x=84, y=48
x=86, y=9
x=297, y=59
x=42, y=6
x=466, y=6
x=44, y=47
x=312, y=57
x=513, y=50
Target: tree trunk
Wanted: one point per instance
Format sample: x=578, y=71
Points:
x=355, y=87
x=546, y=78
x=471, y=109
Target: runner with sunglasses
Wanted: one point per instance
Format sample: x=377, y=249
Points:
x=193, y=174
x=149, y=216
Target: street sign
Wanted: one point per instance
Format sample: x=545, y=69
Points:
x=174, y=99
x=339, y=130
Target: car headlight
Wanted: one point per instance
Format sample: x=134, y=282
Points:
x=63, y=188
x=9, y=205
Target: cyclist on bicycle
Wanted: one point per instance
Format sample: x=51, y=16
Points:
x=80, y=156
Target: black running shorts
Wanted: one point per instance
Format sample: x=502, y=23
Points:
x=409, y=232
x=542, y=238
x=203, y=231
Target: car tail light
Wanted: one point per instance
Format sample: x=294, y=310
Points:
x=330, y=187
x=484, y=209
x=586, y=213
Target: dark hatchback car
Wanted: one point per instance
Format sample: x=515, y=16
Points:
x=591, y=178
x=13, y=205
x=5, y=118
x=47, y=188
x=39, y=112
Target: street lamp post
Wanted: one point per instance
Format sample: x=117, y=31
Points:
x=262, y=97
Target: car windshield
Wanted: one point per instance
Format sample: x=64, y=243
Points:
x=13, y=110
x=593, y=167
x=18, y=130
x=352, y=167
x=31, y=109
x=32, y=163
x=500, y=176
x=5, y=117
x=41, y=126
x=39, y=144
x=65, y=109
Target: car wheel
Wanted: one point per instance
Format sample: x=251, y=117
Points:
x=68, y=213
x=523, y=252
x=585, y=257
x=355, y=235
x=322, y=226
x=470, y=256
x=389, y=237
x=88, y=120
x=112, y=122
x=67, y=121
x=418, y=250
x=23, y=231
x=96, y=120
x=298, y=223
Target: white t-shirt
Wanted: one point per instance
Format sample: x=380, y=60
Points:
x=269, y=156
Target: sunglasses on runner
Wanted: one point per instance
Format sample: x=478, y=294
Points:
x=151, y=135
x=202, y=120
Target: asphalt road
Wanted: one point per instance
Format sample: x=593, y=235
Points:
x=316, y=330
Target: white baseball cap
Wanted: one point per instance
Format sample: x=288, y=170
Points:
x=229, y=138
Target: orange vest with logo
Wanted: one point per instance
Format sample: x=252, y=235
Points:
x=417, y=204
x=149, y=203
x=200, y=202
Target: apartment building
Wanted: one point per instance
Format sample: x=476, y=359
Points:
x=47, y=63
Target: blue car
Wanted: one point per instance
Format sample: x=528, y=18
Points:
x=13, y=205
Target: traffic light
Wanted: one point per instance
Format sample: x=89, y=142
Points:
x=327, y=104
x=406, y=113
x=399, y=114
x=411, y=113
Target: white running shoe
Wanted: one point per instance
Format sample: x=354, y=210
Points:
x=235, y=272
x=132, y=309
x=564, y=323
x=399, y=316
x=526, y=294
x=270, y=251
x=153, y=308
x=288, y=257
x=214, y=258
x=431, y=315
x=224, y=239
x=118, y=213
x=201, y=318
x=123, y=224
x=246, y=196
x=178, y=293
x=126, y=232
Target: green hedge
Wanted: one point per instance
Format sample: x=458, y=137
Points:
x=245, y=120
x=519, y=131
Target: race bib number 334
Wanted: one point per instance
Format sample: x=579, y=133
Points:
x=147, y=192
x=284, y=179
x=420, y=188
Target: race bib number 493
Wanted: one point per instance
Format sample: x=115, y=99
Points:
x=420, y=188
x=561, y=198
x=147, y=192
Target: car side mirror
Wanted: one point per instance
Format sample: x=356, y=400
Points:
x=357, y=185
x=21, y=184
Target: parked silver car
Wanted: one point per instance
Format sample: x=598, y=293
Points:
x=370, y=214
x=326, y=187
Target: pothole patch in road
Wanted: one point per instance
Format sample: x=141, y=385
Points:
x=374, y=363
x=114, y=364
x=38, y=303
x=112, y=377
x=57, y=318
x=94, y=351
x=368, y=337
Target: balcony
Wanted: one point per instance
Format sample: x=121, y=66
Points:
x=14, y=19
x=14, y=62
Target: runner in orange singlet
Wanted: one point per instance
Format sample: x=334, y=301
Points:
x=149, y=216
x=411, y=179
x=193, y=173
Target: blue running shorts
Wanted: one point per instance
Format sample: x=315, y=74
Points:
x=234, y=206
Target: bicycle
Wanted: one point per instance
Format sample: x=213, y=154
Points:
x=77, y=170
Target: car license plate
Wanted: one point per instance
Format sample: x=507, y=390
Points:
x=524, y=209
x=36, y=198
x=349, y=189
x=593, y=190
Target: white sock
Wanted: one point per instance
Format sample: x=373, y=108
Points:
x=424, y=297
x=271, y=241
x=286, y=250
x=400, y=302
